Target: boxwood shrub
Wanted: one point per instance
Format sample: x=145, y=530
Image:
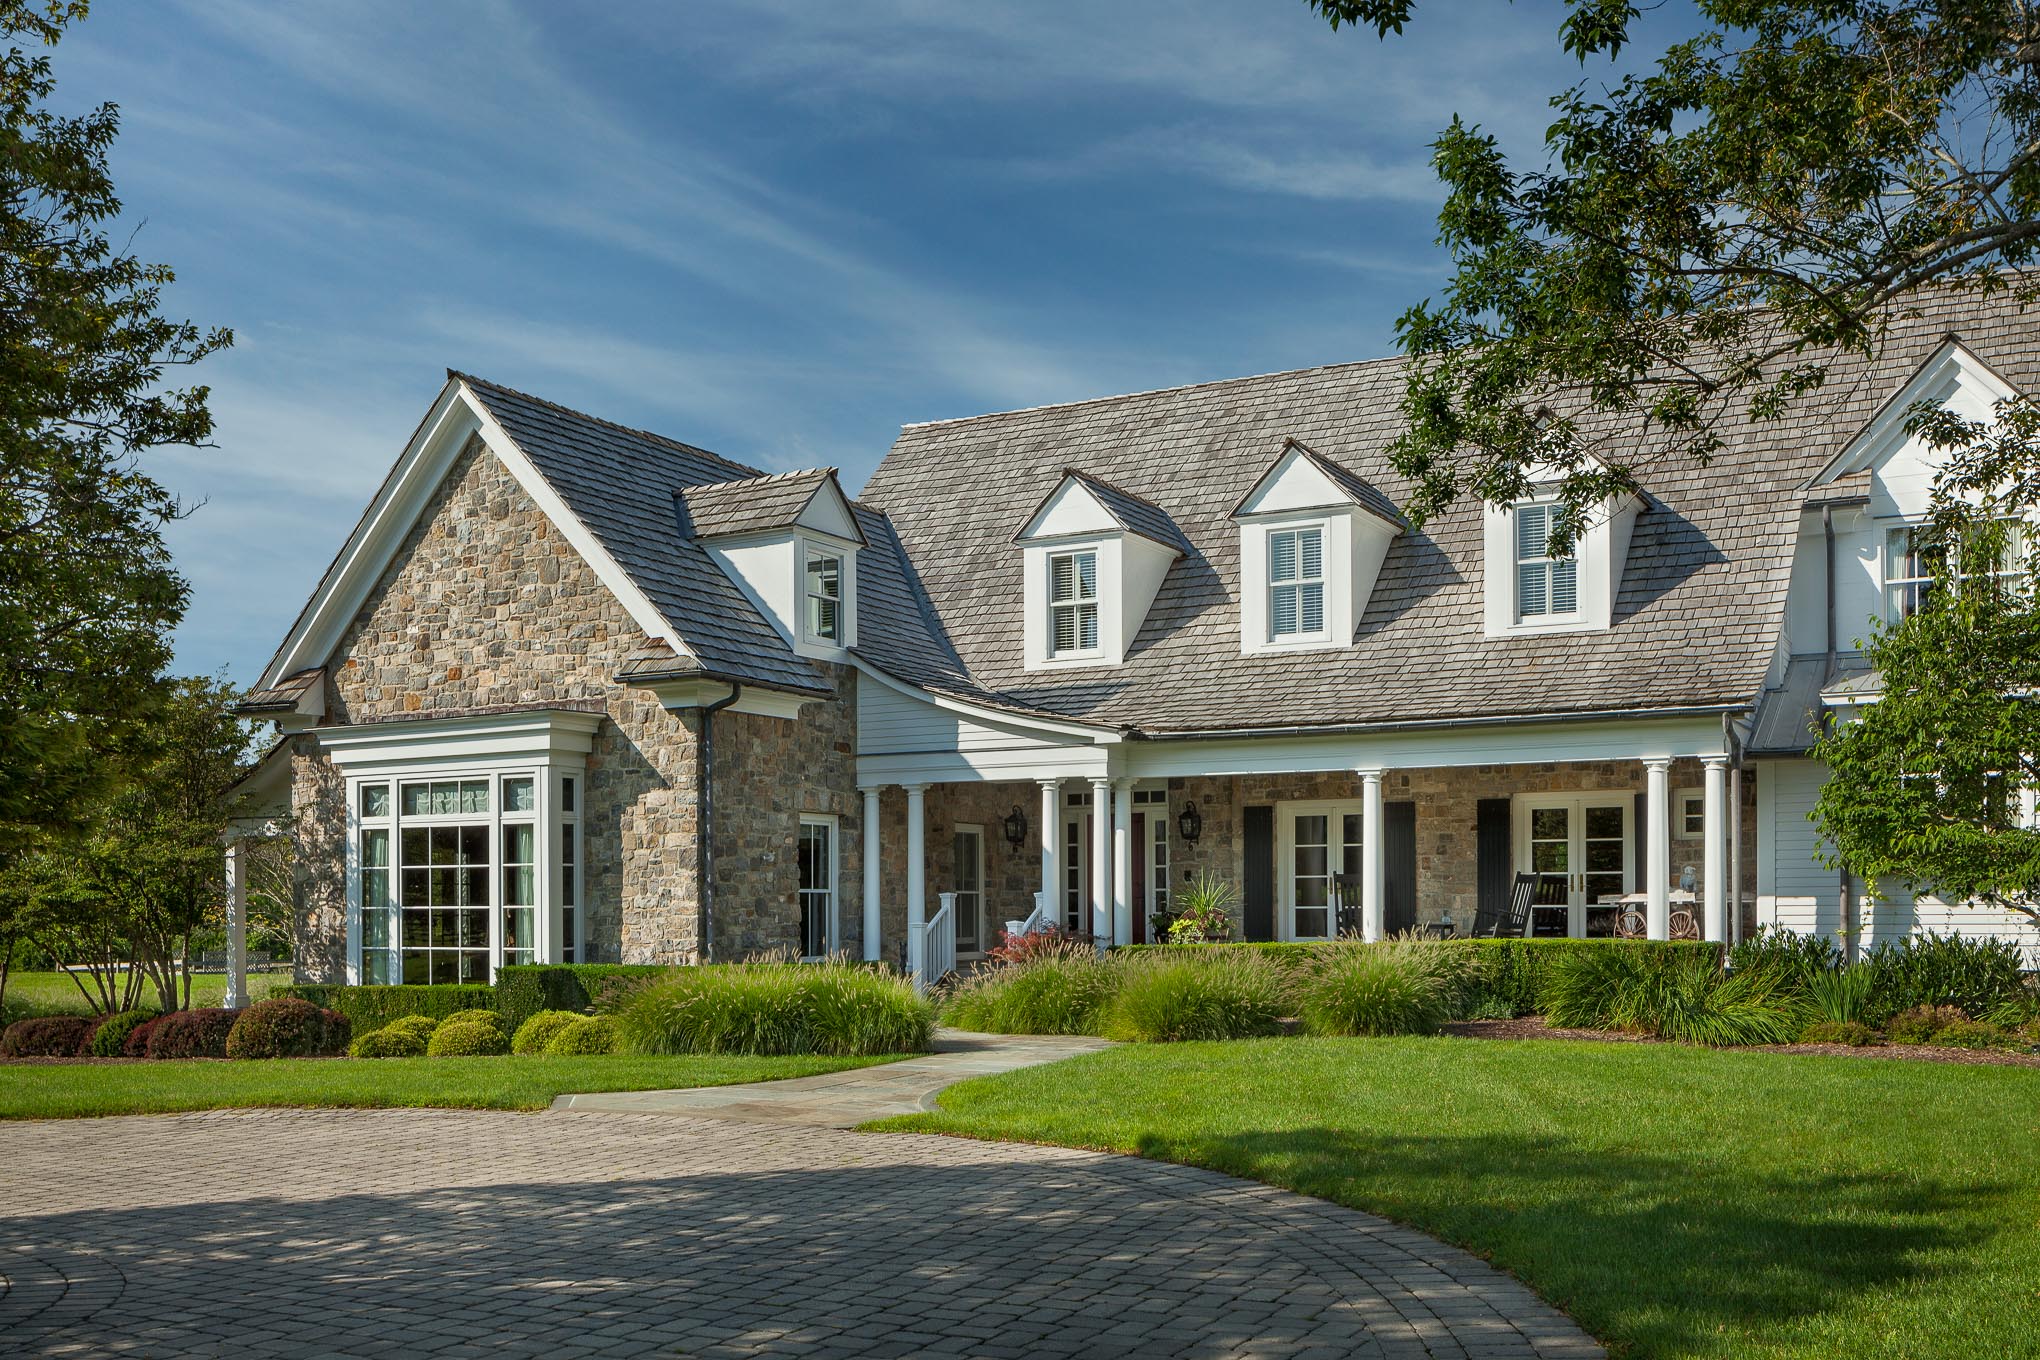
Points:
x=287, y=1027
x=525, y=989
x=468, y=1034
x=584, y=1036
x=199, y=1033
x=109, y=1039
x=49, y=1036
x=534, y=1034
x=405, y=1037
x=370, y=1008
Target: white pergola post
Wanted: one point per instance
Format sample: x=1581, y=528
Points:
x=1373, y=880
x=1101, y=861
x=1657, y=849
x=871, y=890
x=917, y=878
x=1714, y=870
x=1051, y=847
x=237, y=925
x=1122, y=861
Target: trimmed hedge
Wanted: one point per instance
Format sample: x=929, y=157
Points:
x=200, y=1033
x=468, y=1035
x=584, y=1036
x=48, y=1036
x=525, y=989
x=109, y=1038
x=371, y=1008
x=136, y=1045
x=288, y=1027
x=534, y=1034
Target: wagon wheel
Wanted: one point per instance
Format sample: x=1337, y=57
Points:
x=1630, y=925
x=1684, y=927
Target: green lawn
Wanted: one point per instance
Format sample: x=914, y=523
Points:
x=61, y=1091
x=1676, y=1201
x=54, y=993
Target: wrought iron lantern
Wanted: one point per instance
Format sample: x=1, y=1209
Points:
x=1190, y=823
x=1016, y=827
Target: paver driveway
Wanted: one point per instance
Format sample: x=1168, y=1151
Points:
x=451, y=1233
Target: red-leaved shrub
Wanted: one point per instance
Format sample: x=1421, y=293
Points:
x=191, y=1034
x=136, y=1045
x=286, y=1027
x=47, y=1036
x=1026, y=948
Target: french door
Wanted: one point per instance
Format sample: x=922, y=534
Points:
x=1076, y=863
x=968, y=843
x=1580, y=846
x=1320, y=847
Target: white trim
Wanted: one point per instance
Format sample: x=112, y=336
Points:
x=678, y=695
x=542, y=735
x=978, y=922
x=1679, y=797
x=1577, y=805
x=1948, y=368
x=1055, y=727
x=832, y=927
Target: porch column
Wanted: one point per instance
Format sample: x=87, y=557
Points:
x=917, y=878
x=1051, y=848
x=1657, y=850
x=1735, y=853
x=1101, y=861
x=1122, y=861
x=237, y=926
x=1373, y=882
x=871, y=852
x=1714, y=871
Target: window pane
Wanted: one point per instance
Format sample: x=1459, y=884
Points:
x=375, y=849
x=519, y=796
x=1564, y=590
x=1065, y=630
x=1087, y=576
x=1283, y=611
x=417, y=799
x=375, y=800
x=1531, y=530
x=1604, y=822
x=1282, y=557
x=1311, y=548
x=1530, y=579
x=566, y=795
x=1087, y=626
x=1062, y=578
x=474, y=795
x=1311, y=609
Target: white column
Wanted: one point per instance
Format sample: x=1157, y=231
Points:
x=871, y=858
x=1657, y=849
x=1051, y=848
x=1122, y=861
x=1735, y=854
x=1101, y=861
x=1373, y=881
x=1714, y=870
x=237, y=926
x=917, y=878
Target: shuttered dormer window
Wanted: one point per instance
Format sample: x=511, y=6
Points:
x=1072, y=603
x=1296, y=583
x=824, y=592
x=1547, y=587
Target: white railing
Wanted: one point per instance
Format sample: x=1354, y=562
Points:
x=936, y=956
x=1041, y=918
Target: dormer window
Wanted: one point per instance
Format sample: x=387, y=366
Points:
x=824, y=597
x=1296, y=584
x=1073, y=603
x=1547, y=587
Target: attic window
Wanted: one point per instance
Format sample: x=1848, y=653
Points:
x=824, y=597
x=1546, y=586
x=1073, y=603
x=1296, y=583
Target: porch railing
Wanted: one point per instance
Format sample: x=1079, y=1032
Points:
x=1041, y=918
x=937, y=954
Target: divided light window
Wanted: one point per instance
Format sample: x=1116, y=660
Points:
x=1546, y=586
x=824, y=592
x=1073, y=602
x=1910, y=564
x=1296, y=583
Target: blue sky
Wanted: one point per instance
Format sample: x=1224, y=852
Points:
x=778, y=229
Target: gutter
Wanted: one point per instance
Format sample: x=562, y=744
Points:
x=704, y=831
x=1338, y=729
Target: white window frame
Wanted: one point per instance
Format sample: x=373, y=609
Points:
x=1518, y=561
x=1075, y=604
x=811, y=600
x=830, y=893
x=978, y=933
x=1300, y=583
x=1336, y=812
x=568, y=881
x=1915, y=585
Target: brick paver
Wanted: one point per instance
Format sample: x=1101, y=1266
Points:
x=468, y=1233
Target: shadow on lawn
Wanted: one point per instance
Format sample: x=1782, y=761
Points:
x=1648, y=1248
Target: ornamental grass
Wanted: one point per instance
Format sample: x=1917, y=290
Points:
x=775, y=1007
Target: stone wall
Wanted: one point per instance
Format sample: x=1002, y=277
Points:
x=318, y=798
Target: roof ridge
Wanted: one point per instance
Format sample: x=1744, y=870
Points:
x=761, y=477
x=1116, y=488
x=612, y=424
x=1156, y=391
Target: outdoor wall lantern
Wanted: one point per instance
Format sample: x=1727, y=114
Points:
x=1016, y=827
x=1189, y=823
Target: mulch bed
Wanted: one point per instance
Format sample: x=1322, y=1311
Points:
x=1533, y=1027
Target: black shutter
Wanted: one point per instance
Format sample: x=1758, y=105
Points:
x=1257, y=920
x=1641, y=829
x=1493, y=866
x=1399, y=865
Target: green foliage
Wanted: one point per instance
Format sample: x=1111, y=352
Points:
x=1919, y=1024
x=1841, y=995
x=523, y=990
x=287, y=1027
x=468, y=1034
x=1798, y=958
x=1204, y=911
x=1392, y=988
x=371, y=1008
x=535, y=1033
x=1584, y=990
x=1928, y=969
x=1972, y=1034
x=113, y=1031
x=587, y=1036
x=1849, y=1032
x=1671, y=997
x=1170, y=995
x=46, y=1036
x=407, y=1037
x=774, y=1008
x=1061, y=989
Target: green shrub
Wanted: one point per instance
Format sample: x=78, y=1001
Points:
x=525, y=989
x=1841, y=995
x=1062, y=989
x=1794, y=957
x=774, y=1007
x=1697, y=1004
x=535, y=1033
x=1919, y=1024
x=46, y=1036
x=586, y=1036
x=484, y=1016
x=1850, y=1032
x=1187, y=994
x=1204, y=911
x=371, y=1008
x=287, y=1027
x=1392, y=988
x=469, y=1034
x=2017, y=1011
x=405, y=1037
x=113, y=1031
x=1583, y=989
x=1972, y=1034
x=1929, y=969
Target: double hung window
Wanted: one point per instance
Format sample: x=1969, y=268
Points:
x=1911, y=564
x=823, y=592
x=1296, y=583
x=1073, y=603
x=1547, y=586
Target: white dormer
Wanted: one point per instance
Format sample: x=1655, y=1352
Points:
x=1312, y=540
x=1093, y=558
x=1529, y=590
x=790, y=543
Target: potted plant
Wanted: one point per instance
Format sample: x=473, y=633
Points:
x=1204, y=911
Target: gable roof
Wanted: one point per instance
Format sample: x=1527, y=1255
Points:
x=755, y=504
x=1345, y=481
x=1135, y=514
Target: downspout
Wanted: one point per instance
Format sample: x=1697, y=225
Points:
x=1827, y=528
x=704, y=830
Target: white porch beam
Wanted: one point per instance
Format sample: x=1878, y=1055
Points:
x=1714, y=870
x=1101, y=861
x=1122, y=860
x=237, y=926
x=1657, y=849
x=1373, y=879
x=871, y=864
x=1051, y=847
x=917, y=877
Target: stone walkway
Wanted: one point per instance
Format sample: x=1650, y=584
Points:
x=443, y=1233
